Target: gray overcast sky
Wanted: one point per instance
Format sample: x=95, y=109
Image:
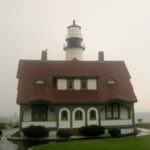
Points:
x=121, y=28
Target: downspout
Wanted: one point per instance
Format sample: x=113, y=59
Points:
x=20, y=119
x=133, y=117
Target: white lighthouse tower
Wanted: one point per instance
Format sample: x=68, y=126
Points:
x=74, y=47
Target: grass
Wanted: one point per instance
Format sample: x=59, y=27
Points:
x=2, y=126
x=143, y=125
x=138, y=143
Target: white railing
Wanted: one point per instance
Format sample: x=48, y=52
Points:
x=116, y=122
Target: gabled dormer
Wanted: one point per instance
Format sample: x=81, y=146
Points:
x=111, y=81
x=39, y=81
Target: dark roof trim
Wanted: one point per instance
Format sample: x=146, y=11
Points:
x=77, y=103
x=76, y=77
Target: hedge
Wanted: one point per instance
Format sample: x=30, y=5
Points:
x=35, y=131
x=92, y=130
x=114, y=132
x=62, y=133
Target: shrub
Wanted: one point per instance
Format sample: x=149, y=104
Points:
x=114, y=132
x=35, y=131
x=2, y=126
x=92, y=130
x=63, y=133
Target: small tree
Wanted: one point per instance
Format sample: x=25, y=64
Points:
x=139, y=120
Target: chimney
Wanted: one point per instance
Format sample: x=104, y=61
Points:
x=101, y=56
x=44, y=55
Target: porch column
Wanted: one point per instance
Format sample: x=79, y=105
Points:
x=133, y=117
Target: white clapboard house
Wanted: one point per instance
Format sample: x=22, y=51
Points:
x=75, y=92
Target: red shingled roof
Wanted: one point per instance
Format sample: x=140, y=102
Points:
x=30, y=70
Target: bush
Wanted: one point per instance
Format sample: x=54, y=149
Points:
x=35, y=131
x=92, y=130
x=63, y=133
x=114, y=132
x=2, y=126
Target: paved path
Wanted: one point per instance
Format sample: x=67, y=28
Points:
x=5, y=144
x=143, y=132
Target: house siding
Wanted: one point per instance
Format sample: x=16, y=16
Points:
x=27, y=114
x=77, y=84
x=54, y=114
x=61, y=84
x=92, y=84
x=117, y=122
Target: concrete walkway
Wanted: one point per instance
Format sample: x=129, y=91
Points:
x=5, y=144
x=143, y=132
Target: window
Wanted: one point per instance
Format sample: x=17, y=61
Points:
x=78, y=115
x=129, y=113
x=75, y=83
x=40, y=81
x=92, y=115
x=115, y=111
x=83, y=83
x=111, y=81
x=39, y=112
x=70, y=84
x=112, y=111
x=64, y=115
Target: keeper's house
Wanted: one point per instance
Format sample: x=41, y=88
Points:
x=74, y=92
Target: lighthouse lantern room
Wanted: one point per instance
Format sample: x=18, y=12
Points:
x=74, y=47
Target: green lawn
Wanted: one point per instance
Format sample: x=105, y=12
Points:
x=143, y=125
x=128, y=143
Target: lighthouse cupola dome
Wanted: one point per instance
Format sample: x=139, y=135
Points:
x=74, y=47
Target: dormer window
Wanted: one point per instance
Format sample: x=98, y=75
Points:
x=83, y=83
x=111, y=81
x=39, y=81
x=70, y=84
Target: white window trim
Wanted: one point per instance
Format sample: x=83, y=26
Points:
x=88, y=112
x=83, y=113
x=68, y=111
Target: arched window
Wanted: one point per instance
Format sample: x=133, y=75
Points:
x=64, y=115
x=78, y=115
x=92, y=115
